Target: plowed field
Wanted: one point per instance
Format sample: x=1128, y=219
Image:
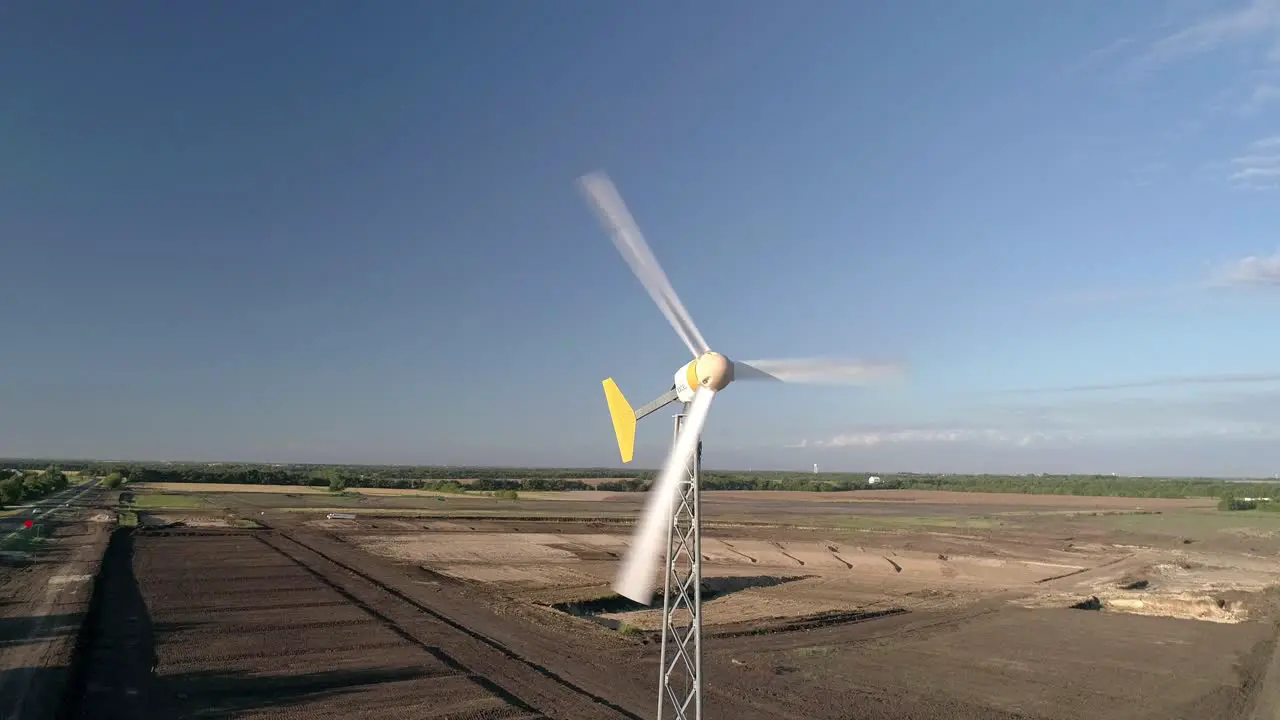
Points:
x=395, y=617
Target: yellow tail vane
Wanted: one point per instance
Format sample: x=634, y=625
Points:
x=624, y=419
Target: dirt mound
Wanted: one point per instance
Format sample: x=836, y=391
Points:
x=1190, y=607
x=1090, y=603
x=1185, y=606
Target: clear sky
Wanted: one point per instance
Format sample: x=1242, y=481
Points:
x=349, y=232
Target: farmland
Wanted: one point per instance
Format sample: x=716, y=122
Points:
x=249, y=602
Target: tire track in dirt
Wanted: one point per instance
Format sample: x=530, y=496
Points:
x=734, y=550
x=439, y=654
x=1263, y=702
x=812, y=622
x=890, y=625
x=1083, y=570
x=835, y=553
x=508, y=655
x=785, y=553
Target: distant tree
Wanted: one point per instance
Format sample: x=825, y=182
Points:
x=456, y=479
x=448, y=486
x=35, y=485
x=112, y=481
x=1229, y=501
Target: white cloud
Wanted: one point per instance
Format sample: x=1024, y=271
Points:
x=1258, y=165
x=1264, y=94
x=1116, y=421
x=869, y=438
x=1101, y=55
x=1245, y=32
x=1168, y=381
x=1255, y=22
x=1250, y=271
x=993, y=438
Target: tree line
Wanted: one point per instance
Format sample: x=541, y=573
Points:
x=339, y=477
x=23, y=485
x=1232, y=500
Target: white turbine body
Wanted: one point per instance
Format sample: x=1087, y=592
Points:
x=695, y=384
x=635, y=580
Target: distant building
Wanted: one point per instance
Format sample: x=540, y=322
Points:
x=873, y=480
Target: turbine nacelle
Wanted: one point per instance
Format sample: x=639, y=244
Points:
x=710, y=370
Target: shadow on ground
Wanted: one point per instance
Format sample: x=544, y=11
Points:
x=116, y=671
x=711, y=588
x=229, y=695
x=31, y=693
x=20, y=630
x=112, y=666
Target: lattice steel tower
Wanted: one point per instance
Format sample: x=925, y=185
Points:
x=680, y=669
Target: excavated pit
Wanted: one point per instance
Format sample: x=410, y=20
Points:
x=595, y=609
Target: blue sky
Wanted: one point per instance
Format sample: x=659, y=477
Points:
x=349, y=232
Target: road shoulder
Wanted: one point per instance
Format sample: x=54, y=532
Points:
x=43, y=604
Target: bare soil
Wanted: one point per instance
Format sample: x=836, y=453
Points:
x=879, y=618
x=937, y=605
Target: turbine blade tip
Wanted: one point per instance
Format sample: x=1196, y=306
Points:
x=641, y=596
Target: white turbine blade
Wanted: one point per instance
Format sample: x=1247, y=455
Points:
x=626, y=236
x=817, y=371
x=635, y=578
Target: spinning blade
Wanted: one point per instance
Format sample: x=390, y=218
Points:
x=626, y=236
x=635, y=578
x=817, y=371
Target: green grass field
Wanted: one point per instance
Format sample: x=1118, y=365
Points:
x=168, y=501
x=901, y=522
x=445, y=511
x=1178, y=523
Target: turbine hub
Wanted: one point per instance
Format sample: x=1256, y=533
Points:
x=714, y=371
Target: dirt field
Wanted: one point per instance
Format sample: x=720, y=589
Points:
x=831, y=570
x=841, y=605
x=982, y=585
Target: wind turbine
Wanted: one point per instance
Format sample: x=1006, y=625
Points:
x=672, y=508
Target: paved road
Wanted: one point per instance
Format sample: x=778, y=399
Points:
x=43, y=604
x=35, y=511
